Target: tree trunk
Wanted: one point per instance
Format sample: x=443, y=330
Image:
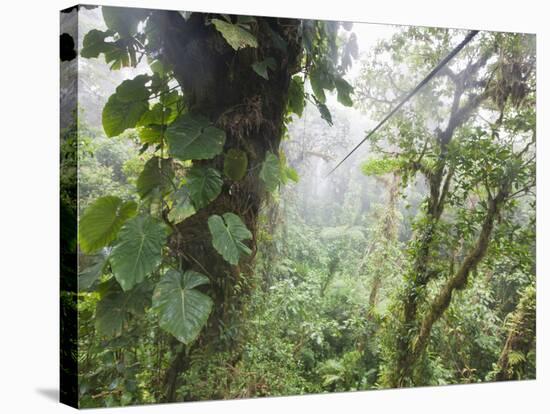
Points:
x=389, y=237
x=219, y=83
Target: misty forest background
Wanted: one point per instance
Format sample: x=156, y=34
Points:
x=412, y=264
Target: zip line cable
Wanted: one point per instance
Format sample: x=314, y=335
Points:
x=424, y=81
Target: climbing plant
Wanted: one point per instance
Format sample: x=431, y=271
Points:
x=211, y=154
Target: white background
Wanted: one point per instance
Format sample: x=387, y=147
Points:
x=29, y=207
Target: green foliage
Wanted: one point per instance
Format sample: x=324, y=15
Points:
x=158, y=115
x=151, y=134
x=290, y=173
x=183, y=310
x=228, y=234
x=181, y=206
x=101, y=221
x=353, y=233
x=344, y=90
x=116, y=307
x=322, y=305
x=235, y=34
x=296, y=101
x=235, y=164
x=320, y=81
x=157, y=176
x=138, y=250
x=380, y=166
x=193, y=137
x=345, y=373
x=96, y=267
x=270, y=173
x=205, y=185
x=324, y=111
x=94, y=43
x=126, y=106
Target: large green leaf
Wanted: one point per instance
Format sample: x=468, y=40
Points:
x=235, y=164
x=138, y=250
x=183, y=310
x=270, y=173
x=157, y=174
x=151, y=134
x=114, y=309
x=117, y=56
x=235, y=35
x=205, y=184
x=157, y=115
x=194, y=138
x=181, y=206
x=315, y=79
x=126, y=106
x=101, y=221
x=111, y=317
x=132, y=90
x=324, y=111
x=92, y=272
x=227, y=236
x=117, y=116
x=94, y=43
x=344, y=90
x=291, y=174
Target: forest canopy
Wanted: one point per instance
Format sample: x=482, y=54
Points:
x=217, y=259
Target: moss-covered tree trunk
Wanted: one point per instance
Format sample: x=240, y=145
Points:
x=218, y=82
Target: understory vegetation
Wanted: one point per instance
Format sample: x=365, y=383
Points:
x=218, y=260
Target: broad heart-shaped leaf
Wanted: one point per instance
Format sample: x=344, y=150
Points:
x=181, y=206
x=101, y=221
x=126, y=106
x=236, y=36
x=183, y=310
x=205, y=184
x=157, y=173
x=235, y=164
x=132, y=90
x=193, y=137
x=270, y=173
x=138, y=250
x=227, y=236
x=117, y=116
x=92, y=272
x=115, y=307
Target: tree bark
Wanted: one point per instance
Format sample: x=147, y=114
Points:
x=439, y=183
x=219, y=83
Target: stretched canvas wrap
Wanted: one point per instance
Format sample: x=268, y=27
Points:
x=260, y=206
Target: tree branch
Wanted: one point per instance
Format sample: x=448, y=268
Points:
x=459, y=279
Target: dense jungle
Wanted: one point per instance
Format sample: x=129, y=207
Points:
x=222, y=256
